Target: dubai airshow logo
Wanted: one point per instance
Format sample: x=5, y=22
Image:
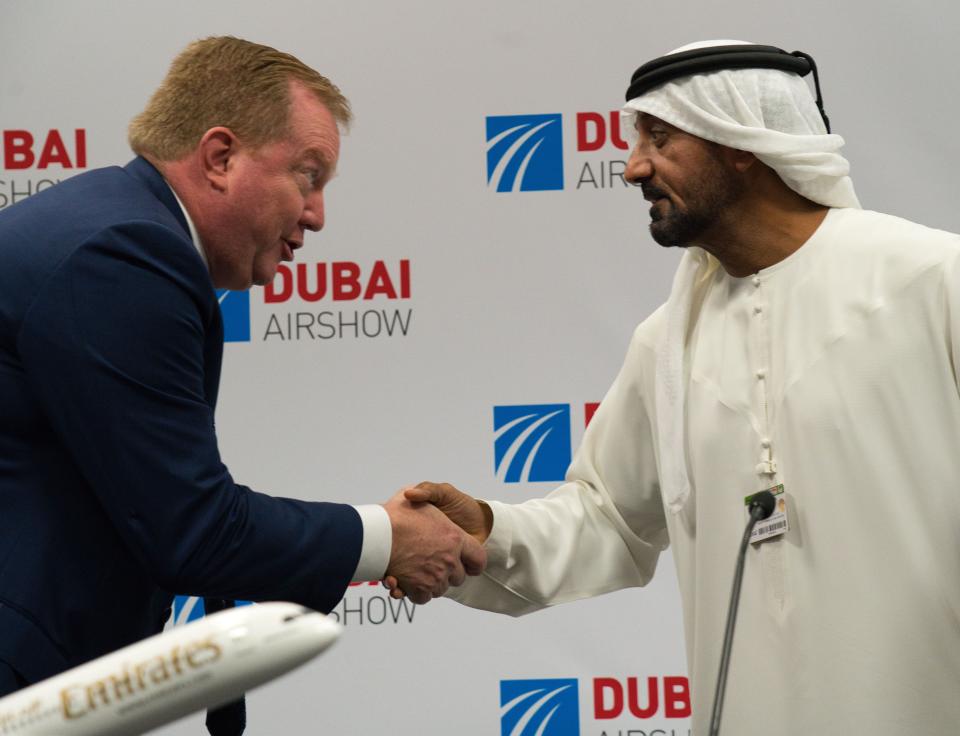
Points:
x=235, y=308
x=187, y=608
x=360, y=606
x=26, y=153
x=525, y=152
x=631, y=706
x=539, y=708
x=377, y=286
x=531, y=442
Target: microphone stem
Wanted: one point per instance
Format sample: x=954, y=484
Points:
x=755, y=515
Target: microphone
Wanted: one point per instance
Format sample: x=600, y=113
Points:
x=761, y=506
x=764, y=502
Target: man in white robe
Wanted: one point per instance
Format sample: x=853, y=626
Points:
x=808, y=343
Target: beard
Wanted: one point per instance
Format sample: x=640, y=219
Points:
x=679, y=228
x=707, y=202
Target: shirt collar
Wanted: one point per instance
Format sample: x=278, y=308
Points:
x=194, y=237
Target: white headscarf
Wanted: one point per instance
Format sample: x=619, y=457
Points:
x=765, y=111
x=773, y=115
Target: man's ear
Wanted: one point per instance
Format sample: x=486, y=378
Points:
x=741, y=161
x=217, y=148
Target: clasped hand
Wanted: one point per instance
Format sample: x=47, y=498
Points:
x=437, y=536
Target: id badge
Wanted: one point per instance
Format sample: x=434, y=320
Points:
x=775, y=524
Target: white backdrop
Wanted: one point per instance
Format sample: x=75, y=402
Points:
x=515, y=298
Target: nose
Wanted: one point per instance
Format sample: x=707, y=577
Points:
x=639, y=167
x=312, y=216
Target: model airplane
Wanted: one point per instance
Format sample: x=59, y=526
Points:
x=158, y=680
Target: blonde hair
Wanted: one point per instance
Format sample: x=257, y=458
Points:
x=226, y=81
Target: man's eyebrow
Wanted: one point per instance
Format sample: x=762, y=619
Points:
x=318, y=155
x=321, y=157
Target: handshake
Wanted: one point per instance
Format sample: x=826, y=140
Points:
x=438, y=533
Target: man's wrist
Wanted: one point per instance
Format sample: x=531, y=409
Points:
x=487, y=519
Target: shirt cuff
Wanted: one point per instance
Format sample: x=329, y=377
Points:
x=377, y=543
x=498, y=542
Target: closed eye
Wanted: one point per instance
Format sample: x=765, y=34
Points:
x=312, y=178
x=659, y=137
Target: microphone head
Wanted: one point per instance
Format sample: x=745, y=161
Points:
x=762, y=504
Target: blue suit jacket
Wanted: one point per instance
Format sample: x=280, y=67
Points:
x=112, y=492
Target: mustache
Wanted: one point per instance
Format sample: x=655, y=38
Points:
x=651, y=192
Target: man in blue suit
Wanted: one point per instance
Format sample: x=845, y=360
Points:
x=113, y=495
